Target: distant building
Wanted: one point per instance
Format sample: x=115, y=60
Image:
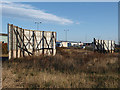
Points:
x=76, y=44
x=68, y=44
x=62, y=44
x=65, y=44
x=3, y=38
x=58, y=44
x=87, y=44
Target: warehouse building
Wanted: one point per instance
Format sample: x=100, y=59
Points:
x=63, y=44
x=76, y=44
x=68, y=44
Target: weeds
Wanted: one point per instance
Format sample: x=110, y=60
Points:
x=69, y=68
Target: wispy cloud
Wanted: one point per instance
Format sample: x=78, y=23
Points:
x=77, y=22
x=28, y=11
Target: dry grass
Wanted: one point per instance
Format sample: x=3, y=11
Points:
x=69, y=68
x=4, y=48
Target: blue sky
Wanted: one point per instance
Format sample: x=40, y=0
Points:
x=84, y=20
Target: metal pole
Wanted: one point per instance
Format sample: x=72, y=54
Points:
x=38, y=24
x=66, y=34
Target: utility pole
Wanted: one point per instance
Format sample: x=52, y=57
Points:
x=37, y=23
x=66, y=33
x=86, y=38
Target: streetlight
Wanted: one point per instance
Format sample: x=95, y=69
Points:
x=66, y=33
x=38, y=24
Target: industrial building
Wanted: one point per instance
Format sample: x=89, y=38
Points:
x=62, y=44
x=68, y=44
x=87, y=43
x=76, y=44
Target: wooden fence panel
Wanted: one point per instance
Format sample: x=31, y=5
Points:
x=104, y=45
x=23, y=42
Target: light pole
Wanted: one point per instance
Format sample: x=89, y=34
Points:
x=66, y=33
x=38, y=24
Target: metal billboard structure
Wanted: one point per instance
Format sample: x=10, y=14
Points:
x=104, y=46
x=24, y=42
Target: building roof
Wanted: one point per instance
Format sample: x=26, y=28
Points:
x=3, y=34
x=69, y=41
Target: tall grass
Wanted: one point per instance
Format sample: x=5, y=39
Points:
x=69, y=68
x=4, y=48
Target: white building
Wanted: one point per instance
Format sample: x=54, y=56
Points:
x=68, y=44
x=74, y=44
x=65, y=44
x=62, y=44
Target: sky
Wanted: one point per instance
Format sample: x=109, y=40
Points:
x=62, y=0
x=84, y=20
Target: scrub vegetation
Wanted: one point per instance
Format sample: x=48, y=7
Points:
x=69, y=68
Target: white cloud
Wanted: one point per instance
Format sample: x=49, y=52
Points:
x=28, y=11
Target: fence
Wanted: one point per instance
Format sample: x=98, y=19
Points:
x=104, y=46
x=23, y=42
